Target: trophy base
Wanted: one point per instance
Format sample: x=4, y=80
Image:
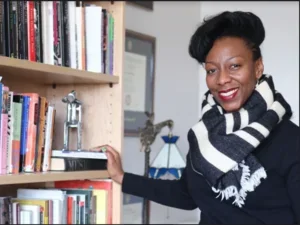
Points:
x=82, y=153
x=74, y=150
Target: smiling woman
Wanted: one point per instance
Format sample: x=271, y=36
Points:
x=243, y=163
x=232, y=72
x=234, y=62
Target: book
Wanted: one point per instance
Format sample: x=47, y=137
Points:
x=71, y=34
x=76, y=164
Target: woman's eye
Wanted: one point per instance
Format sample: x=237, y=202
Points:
x=210, y=71
x=235, y=66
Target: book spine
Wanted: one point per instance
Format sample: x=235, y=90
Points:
x=24, y=128
x=17, y=123
x=10, y=130
x=25, y=29
x=11, y=33
x=4, y=126
x=31, y=131
x=41, y=134
x=80, y=164
x=20, y=32
x=37, y=33
x=14, y=29
x=48, y=140
x=31, y=31
x=72, y=33
x=7, y=27
x=38, y=124
x=78, y=37
x=83, y=39
x=60, y=27
x=2, y=28
x=104, y=39
x=66, y=33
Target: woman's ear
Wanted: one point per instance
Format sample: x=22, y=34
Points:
x=259, y=68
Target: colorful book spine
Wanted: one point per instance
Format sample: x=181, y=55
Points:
x=33, y=114
x=17, y=124
x=4, y=126
x=24, y=128
x=10, y=130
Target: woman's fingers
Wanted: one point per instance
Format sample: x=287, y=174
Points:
x=110, y=159
x=99, y=148
x=112, y=155
x=112, y=151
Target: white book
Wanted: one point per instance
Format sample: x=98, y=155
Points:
x=47, y=32
x=48, y=139
x=72, y=33
x=34, y=217
x=57, y=196
x=15, y=213
x=78, y=34
x=93, y=29
x=25, y=217
x=10, y=131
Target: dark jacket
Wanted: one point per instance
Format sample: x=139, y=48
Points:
x=275, y=201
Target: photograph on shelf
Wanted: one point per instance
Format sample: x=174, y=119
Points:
x=139, y=74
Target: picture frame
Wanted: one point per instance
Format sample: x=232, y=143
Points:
x=147, y=5
x=138, y=82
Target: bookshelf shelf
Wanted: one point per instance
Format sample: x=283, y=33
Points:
x=40, y=73
x=25, y=178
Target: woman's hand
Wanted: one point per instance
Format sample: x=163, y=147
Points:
x=114, y=163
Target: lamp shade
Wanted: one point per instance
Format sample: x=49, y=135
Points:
x=168, y=161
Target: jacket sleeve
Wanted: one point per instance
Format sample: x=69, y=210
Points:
x=173, y=193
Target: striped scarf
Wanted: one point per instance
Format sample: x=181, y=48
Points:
x=221, y=143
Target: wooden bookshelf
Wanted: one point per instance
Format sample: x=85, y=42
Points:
x=101, y=95
x=26, y=178
x=40, y=73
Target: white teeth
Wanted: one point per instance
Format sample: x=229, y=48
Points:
x=226, y=94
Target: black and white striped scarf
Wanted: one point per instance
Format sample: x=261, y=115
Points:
x=221, y=143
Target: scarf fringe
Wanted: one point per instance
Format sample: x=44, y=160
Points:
x=248, y=184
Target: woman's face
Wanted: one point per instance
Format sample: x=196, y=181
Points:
x=231, y=72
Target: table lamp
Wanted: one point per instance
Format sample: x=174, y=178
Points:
x=169, y=162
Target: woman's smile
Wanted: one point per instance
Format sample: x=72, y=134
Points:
x=229, y=94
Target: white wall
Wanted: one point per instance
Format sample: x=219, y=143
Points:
x=280, y=49
x=176, y=85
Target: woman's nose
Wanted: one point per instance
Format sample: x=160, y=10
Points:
x=223, y=78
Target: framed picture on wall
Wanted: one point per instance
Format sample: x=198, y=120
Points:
x=139, y=74
x=148, y=5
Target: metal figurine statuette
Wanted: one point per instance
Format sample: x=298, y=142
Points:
x=147, y=137
x=73, y=119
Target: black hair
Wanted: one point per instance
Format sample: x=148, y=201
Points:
x=245, y=25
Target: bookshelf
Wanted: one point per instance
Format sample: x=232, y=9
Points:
x=40, y=73
x=26, y=178
x=101, y=95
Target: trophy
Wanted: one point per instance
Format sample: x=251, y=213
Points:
x=73, y=119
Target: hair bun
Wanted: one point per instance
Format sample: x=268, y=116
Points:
x=236, y=24
x=248, y=24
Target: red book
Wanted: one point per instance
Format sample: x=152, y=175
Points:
x=31, y=31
